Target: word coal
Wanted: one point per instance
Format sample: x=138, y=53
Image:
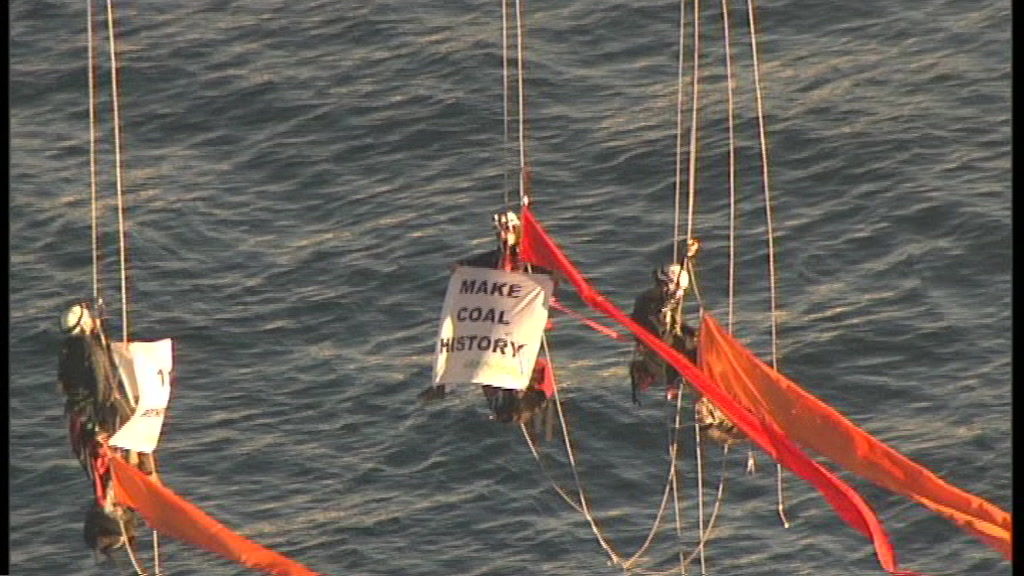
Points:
x=482, y=315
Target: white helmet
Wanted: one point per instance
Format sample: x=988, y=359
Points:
x=76, y=320
x=673, y=277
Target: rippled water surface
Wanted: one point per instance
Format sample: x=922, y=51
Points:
x=298, y=175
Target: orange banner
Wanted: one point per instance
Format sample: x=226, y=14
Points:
x=815, y=425
x=540, y=249
x=172, y=515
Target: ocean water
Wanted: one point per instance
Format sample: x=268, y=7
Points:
x=299, y=175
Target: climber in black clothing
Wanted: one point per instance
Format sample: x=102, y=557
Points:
x=506, y=405
x=96, y=407
x=659, y=310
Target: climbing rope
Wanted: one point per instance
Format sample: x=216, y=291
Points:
x=677, y=240
x=732, y=162
x=521, y=83
x=730, y=87
x=694, y=104
x=730, y=83
x=762, y=138
x=692, y=181
x=156, y=543
x=504, y=100
x=92, y=154
x=128, y=548
x=714, y=513
x=547, y=474
x=671, y=485
x=673, y=450
x=121, y=225
x=581, y=505
x=700, y=492
x=121, y=212
x=679, y=134
x=694, y=140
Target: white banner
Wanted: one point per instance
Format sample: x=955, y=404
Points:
x=146, y=367
x=491, y=327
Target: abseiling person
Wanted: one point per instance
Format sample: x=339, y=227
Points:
x=505, y=404
x=659, y=310
x=96, y=406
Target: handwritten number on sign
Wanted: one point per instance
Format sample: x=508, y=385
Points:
x=163, y=384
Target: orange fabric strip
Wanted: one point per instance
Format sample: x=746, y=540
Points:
x=817, y=426
x=170, y=514
x=540, y=249
x=557, y=305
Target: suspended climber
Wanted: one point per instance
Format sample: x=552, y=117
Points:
x=659, y=310
x=96, y=406
x=508, y=405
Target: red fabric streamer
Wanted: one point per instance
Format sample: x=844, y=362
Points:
x=539, y=249
x=100, y=465
x=543, y=377
x=593, y=325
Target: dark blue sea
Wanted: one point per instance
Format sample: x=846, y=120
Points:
x=298, y=175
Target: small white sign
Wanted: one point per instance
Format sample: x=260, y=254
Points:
x=146, y=368
x=492, y=322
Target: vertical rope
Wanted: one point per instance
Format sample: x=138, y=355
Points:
x=523, y=199
x=575, y=473
x=92, y=155
x=669, y=486
x=679, y=134
x=770, y=233
x=764, y=178
x=544, y=469
x=714, y=512
x=121, y=220
x=700, y=492
x=671, y=483
x=695, y=106
x=676, y=240
x=732, y=162
x=673, y=451
x=583, y=506
x=730, y=83
x=156, y=553
x=121, y=225
x=693, y=119
x=128, y=548
x=504, y=99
